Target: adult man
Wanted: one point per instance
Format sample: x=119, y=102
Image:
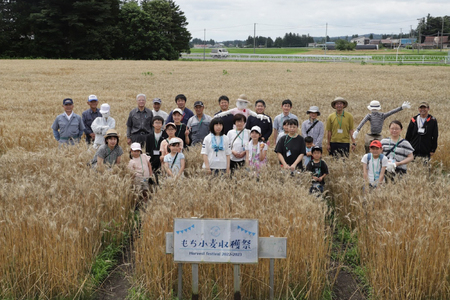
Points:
x=265, y=125
x=180, y=100
x=139, y=123
x=313, y=127
x=198, y=124
x=68, y=127
x=286, y=106
x=157, y=109
x=88, y=116
x=422, y=132
x=340, y=129
x=224, y=104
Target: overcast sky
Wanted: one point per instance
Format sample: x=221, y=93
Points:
x=234, y=19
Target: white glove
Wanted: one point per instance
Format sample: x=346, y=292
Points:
x=355, y=134
x=262, y=117
x=222, y=114
x=391, y=167
x=406, y=104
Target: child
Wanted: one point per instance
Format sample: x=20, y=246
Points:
x=142, y=169
x=285, y=131
x=170, y=132
x=174, y=162
x=238, y=138
x=319, y=170
x=374, y=165
x=291, y=148
x=256, y=154
x=153, y=144
x=309, y=144
x=182, y=131
x=216, y=149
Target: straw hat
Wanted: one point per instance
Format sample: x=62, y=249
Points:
x=243, y=97
x=339, y=99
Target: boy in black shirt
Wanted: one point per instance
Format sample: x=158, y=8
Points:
x=319, y=170
x=153, y=143
x=291, y=148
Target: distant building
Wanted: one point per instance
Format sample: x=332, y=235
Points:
x=433, y=42
x=360, y=40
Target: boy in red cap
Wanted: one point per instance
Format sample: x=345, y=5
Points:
x=374, y=164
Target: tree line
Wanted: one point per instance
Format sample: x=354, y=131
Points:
x=93, y=29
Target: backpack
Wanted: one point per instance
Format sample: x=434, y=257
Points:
x=369, y=157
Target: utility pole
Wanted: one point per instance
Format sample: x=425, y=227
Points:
x=419, y=40
x=254, y=38
x=326, y=34
x=204, y=44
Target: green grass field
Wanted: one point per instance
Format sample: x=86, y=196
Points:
x=317, y=51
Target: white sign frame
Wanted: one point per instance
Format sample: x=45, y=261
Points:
x=233, y=241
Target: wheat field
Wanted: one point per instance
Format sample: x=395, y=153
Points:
x=56, y=215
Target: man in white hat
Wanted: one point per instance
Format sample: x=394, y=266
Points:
x=102, y=124
x=313, y=127
x=376, y=120
x=340, y=129
x=88, y=116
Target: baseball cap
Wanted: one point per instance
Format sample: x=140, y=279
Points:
x=316, y=148
x=256, y=128
x=174, y=141
x=376, y=143
x=67, y=101
x=198, y=103
x=178, y=111
x=136, y=146
x=423, y=104
x=92, y=98
x=157, y=100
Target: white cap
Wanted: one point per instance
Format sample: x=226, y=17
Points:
x=374, y=105
x=104, y=108
x=92, y=98
x=256, y=128
x=178, y=110
x=136, y=146
x=174, y=141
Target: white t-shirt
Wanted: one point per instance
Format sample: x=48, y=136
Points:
x=160, y=113
x=217, y=160
x=240, y=143
x=374, y=163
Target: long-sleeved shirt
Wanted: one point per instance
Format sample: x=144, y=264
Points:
x=88, y=116
x=139, y=121
x=65, y=129
x=376, y=120
x=316, y=132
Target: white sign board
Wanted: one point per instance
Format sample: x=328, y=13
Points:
x=272, y=247
x=216, y=241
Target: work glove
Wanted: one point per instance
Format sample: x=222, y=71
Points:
x=263, y=117
x=391, y=167
x=406, y=104
x=222, y=114
x=355, y=134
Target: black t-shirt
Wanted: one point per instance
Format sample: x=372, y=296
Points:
x=180, y=133
x=317, y=169
x=291, y=148
x=152, y=148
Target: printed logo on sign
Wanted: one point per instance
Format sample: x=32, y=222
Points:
x=215, y=231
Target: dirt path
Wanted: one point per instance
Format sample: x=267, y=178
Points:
x=345, y=285
x=116, y=286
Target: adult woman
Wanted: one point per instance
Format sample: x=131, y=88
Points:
x=239, y=138
x=216, y=149
x=110, y=153
x=313, y=127
x=398, y=151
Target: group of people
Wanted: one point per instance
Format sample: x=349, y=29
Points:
x=238, y=137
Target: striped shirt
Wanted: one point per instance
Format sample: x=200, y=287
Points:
x=399, y=153
x=376, y=120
